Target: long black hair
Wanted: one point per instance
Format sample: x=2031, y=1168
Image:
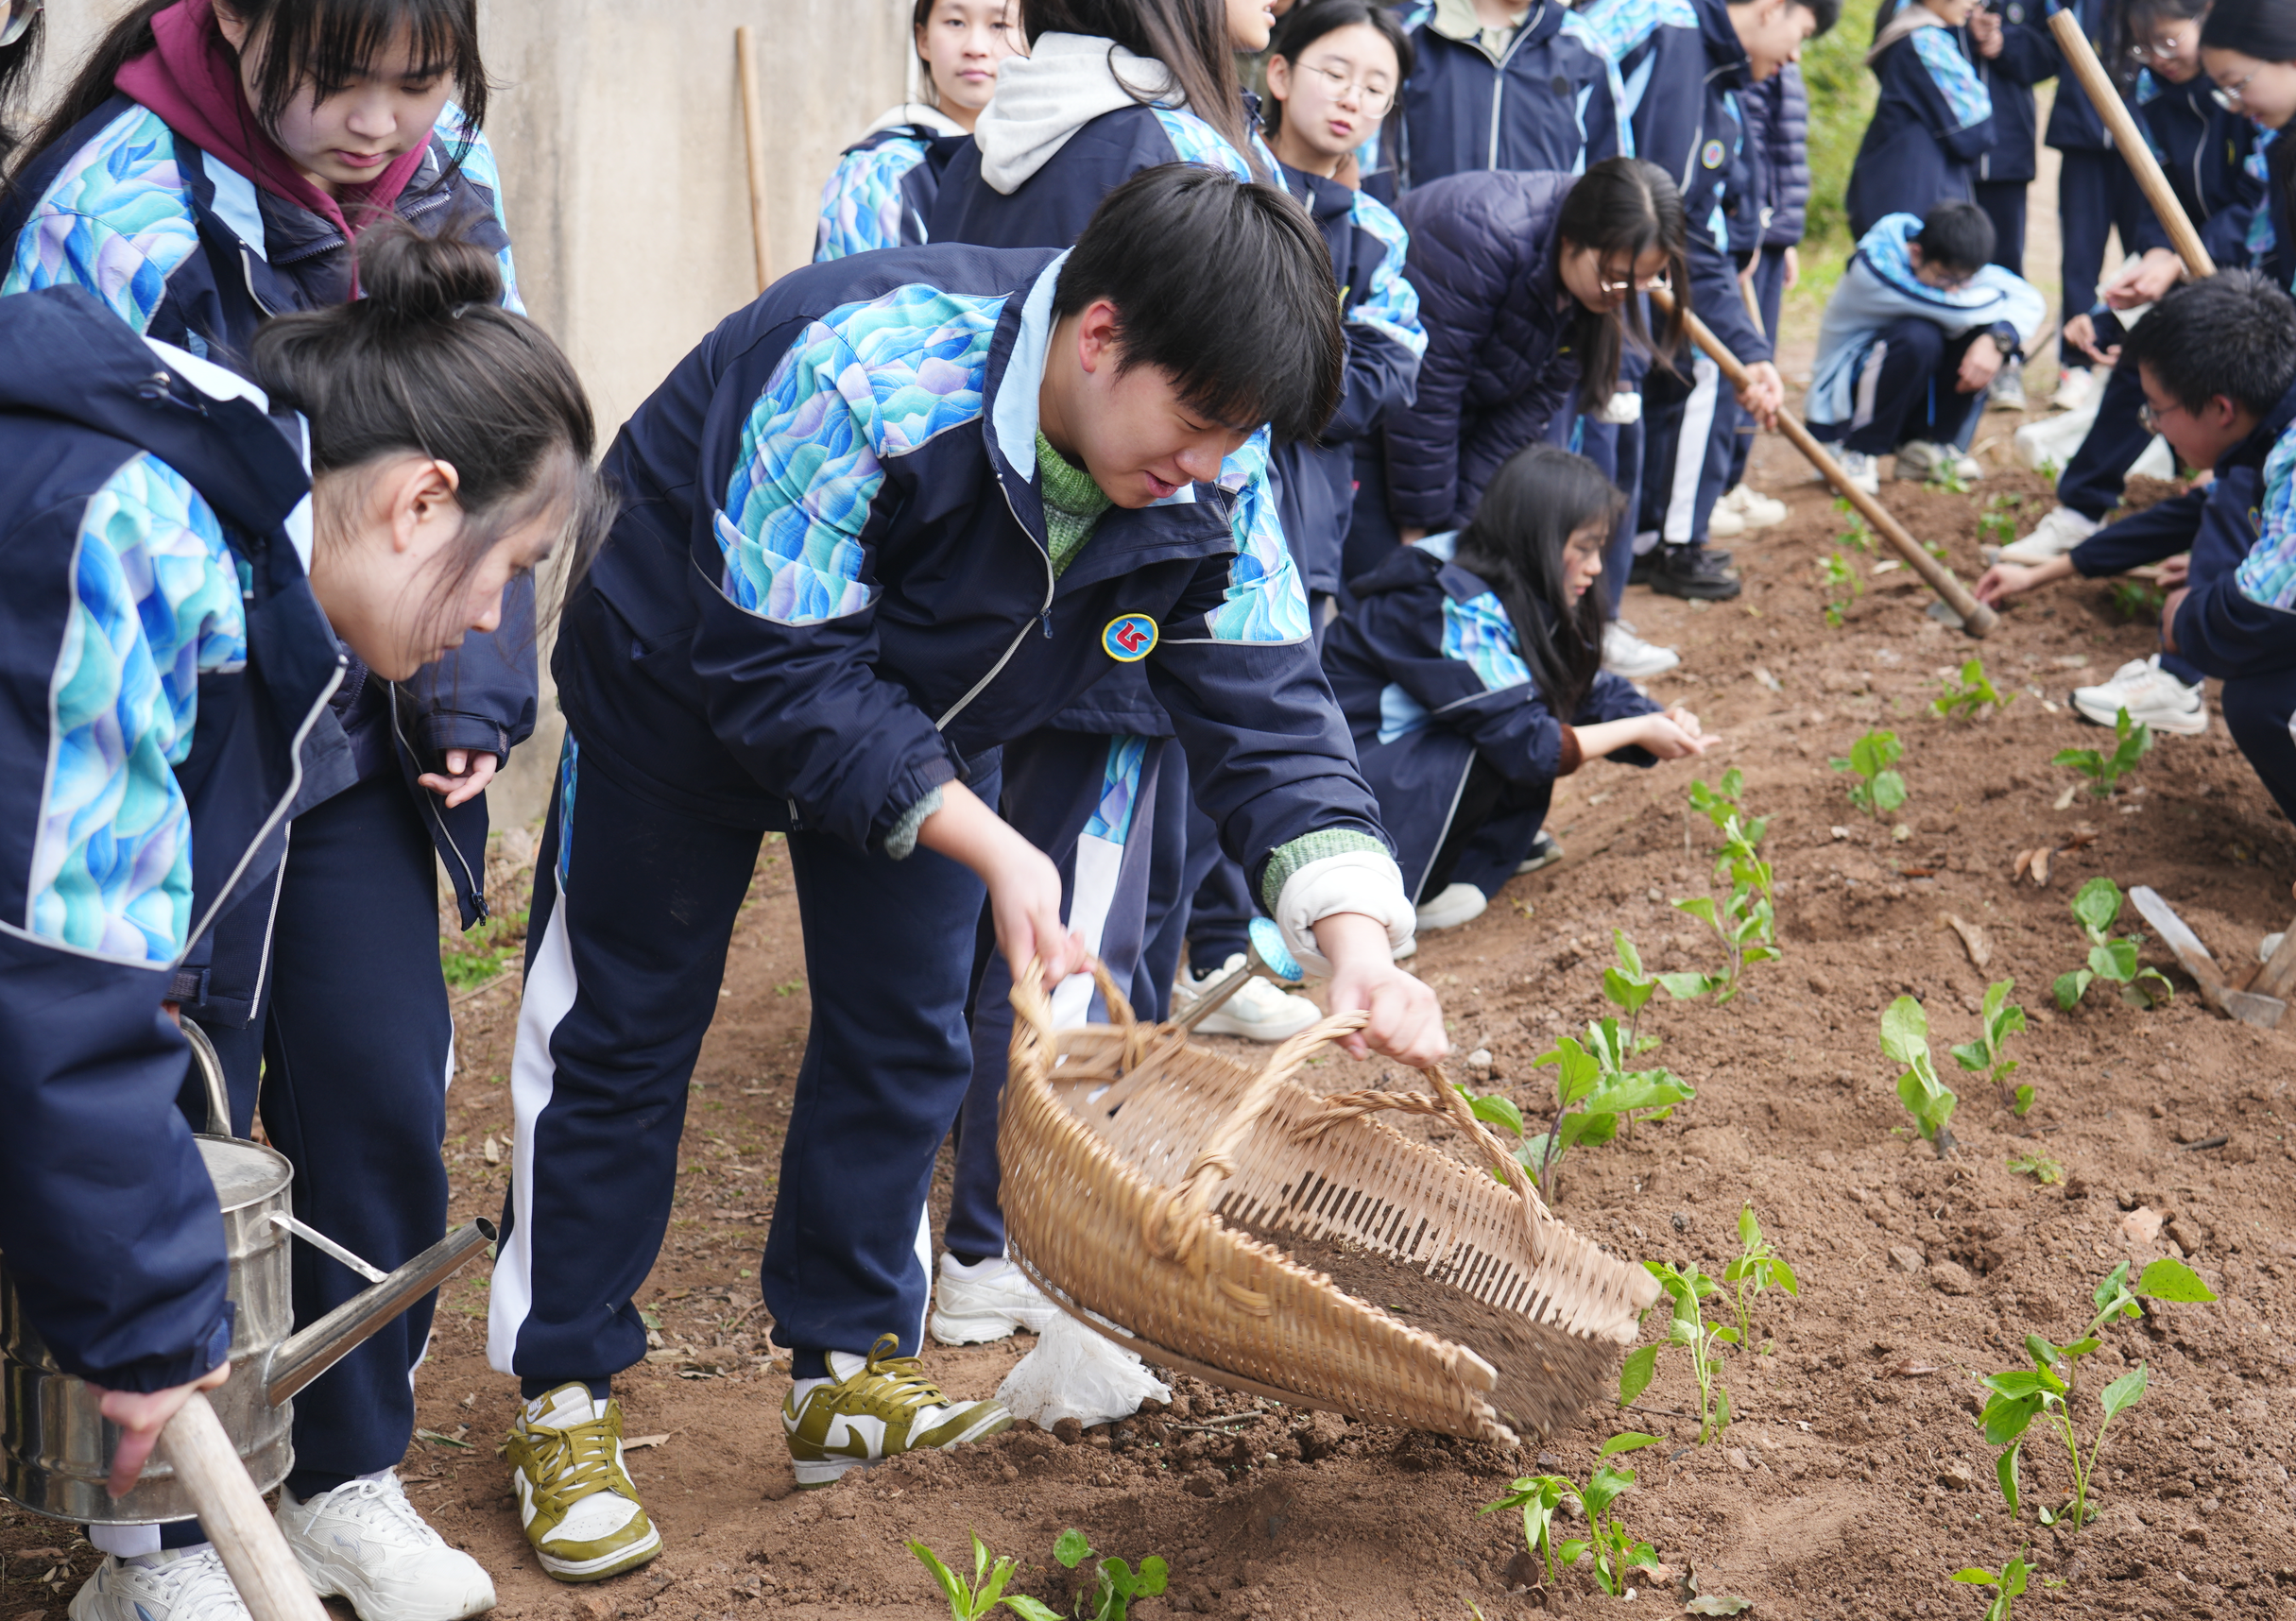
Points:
x=1539, y=499
x=1189, y=37
x=2265, y=30
x=17, y=61
x=1622, y=208
x=321, y=44
x=1310, y=20
x=2129, y=28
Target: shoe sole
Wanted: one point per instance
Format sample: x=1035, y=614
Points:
x=1221, y=1024
x=2183, y=725
x=1536, y=863
x=1696, y=594
x=813, y=1473
x=980, y=1328
x=327, y=1587
x=598, y=1569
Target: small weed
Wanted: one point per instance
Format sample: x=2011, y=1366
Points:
x=1617, y=1551
x=2050, y=471
x=2137, y=599
x=1878, y=790
x=1838, y=577
x=1904, y=1040
x=1998, y=1020
x=1757, y=1268
x=2009, y=1583
x=483, y=953
x=1945, y=478
x=969, y=1600
x=2096, y=908
x=1973, y=693
x=2042, y=1168
x=1688, y=1288
x=2105, y=771
x=1118, y=1584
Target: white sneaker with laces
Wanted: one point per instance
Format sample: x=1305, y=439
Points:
x=1758, y=510
x=1261, y=1011
x=1861, y=470
x=1723, y=524
x=1460, y=903
x=1925, y=459
x=2151, y=695
x=2007, y=392
x=2053, y=537
x=988, y=1300
x=176, y=1584
x=2074, y=389
x=365, y=1542
x=1627, y=655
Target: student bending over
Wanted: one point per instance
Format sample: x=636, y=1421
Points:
x=1469, y=669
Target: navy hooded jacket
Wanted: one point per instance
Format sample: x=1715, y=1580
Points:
x=1774, y=210
x=1501, y=368
x=168, y=671
x=1933, y=119
x=2073, y=123
x=1553, y=100
x=830, y=593
x=185, y=248
x=1684, y=70
x=1431, y=676
x=1315, y=483
x=2028, y=54
x=2204, y=150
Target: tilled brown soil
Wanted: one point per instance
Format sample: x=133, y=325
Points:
x=1855, y=1480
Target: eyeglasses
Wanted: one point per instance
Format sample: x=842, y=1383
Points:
x=2229, y=96
x=16, y=18
x=2150, y=420
x=1613, y=283
x=1373, y=99
x=2161, y=48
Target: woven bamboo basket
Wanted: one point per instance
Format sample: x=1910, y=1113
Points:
x=1123, y=1147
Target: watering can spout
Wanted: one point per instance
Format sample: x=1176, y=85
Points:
x=304, y=1356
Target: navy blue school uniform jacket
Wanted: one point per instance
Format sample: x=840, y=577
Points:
x=183, y=248
x=882, y=191
x=2204, y=150
x=1773, y=210
x=1549, y=98
x=829, y=592
x=2073, y=122
x=1500, y=365
x=167, y=672
x=1932, y=122
x=1429, y=671
x=1684, y=71
x=2028, y=54
x=1316, y=482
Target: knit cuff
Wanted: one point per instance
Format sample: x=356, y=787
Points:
x=1572, y=756
x=1290, y=858
x=901, y=842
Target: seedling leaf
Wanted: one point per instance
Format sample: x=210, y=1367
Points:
x=2171, y=1280
x=1072, y=1547
x=1628, y=1441
x=2124, y=1393
x=1635, y=1377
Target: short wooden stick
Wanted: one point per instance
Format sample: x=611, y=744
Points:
x=231, y=1511
x=2105, y=96
x=753, y=142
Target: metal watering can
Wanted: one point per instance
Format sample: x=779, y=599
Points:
x=55, y=1444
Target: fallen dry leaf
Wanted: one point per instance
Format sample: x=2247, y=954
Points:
x=2064, y=800
x=2025, y=859
x=1973, y=941
x=2040, y=867
x=492, y=1150
x=1908, y=1368
x=2081, y=838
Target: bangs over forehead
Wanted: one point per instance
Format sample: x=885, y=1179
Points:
x=326, y=45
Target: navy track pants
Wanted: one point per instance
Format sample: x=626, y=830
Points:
x=2260, y=713
x=1913, y=390
x=634, y=907
x=1769, y=298
x=2004, y=204
x=1689, y=425
x=2093, y=195
x=2093, y=480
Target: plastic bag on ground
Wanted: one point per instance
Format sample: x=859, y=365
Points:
x=1074, y=1372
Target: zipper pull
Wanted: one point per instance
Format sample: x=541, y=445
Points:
x=1047, y=617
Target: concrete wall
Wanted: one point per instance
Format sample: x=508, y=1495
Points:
x=618, y=125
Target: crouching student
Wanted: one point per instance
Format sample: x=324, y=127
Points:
x=1470, y=671
x=903, y=509
x=1914, y=333
x=181, y=591
x=2217, y=362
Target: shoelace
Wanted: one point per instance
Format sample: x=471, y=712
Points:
x=369, y=1501
x=201, y=1585
x=905, y=1383
x=578, y=1462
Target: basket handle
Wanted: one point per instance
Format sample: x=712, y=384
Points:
x=1446, y=1102
x=1174, y=1220
x=1033, y=1007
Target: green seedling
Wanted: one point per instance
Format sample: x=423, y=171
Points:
x=1943, y=477
x=2008, y=1585
x=1904, y=1040
x=1878, y=790
x=2137, y=599
x=2096, y=908
x=1631, y=989
x=2018, y=1396
x=1838, y=576
x=1745, y=922
x=2042, y=1168
x=1596, y=1096
x=1999, y=1020
x=2105, y=771
x=1858, y=538
x=1116, y=1586
x=1997, y=523
x=1757, y=1268
x=969, y=1600
x=1718, y=805
x=1971, y=694
x=1688, y=1288
x=1616, y=1552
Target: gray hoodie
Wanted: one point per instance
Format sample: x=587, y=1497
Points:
x=1043, y=98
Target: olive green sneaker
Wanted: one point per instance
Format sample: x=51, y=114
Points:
x=874, y=1407
x=574, y=1498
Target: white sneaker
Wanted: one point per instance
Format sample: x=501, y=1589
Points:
x=2007, y=392
x=1723, y=524
x=1920, y=460
x=1261, y=1011
x=2075, y=388
x=1861, y=470
x=2270, y=945
x=973, y=1305
x=177, y=1584
x=2151, y=695
x=1545, y=852
x=1758, y=510
x=2053, y=537
x=1460, y=903
x=364, y=1542
x=1627, y=655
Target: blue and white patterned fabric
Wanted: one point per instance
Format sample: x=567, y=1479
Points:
x=865, y=205
x=155, y=605
x=1392, y=305
x=479, y=164
x=117, y=220
x=1620, y=27
x=570, y=761
x=2262, y=239
x=1576, y=27
x=1119, y=788
x=1956, y=81
x=2268, y=573
x=866, y=382
x=1480, y=634
x=1266, y=600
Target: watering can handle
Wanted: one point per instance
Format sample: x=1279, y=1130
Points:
x=209, y=1065
x=262, y=1566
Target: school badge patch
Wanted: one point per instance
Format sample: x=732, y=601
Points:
x=1129, y=638
x=1712, y=156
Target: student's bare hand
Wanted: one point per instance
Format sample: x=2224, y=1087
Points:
x=1986, y=33
x=1794, y=268
x=1409, y=535
x=1980, y=361
x=1406, y=1020
x=465, y=777
x=2143, y=280
x=2175, y=571
x=1023, y=885
x=1676, y=734
x=1349, y=173
x=2081, y=334
x=141, y=1416
x=2176, y=601
x=1764, y=395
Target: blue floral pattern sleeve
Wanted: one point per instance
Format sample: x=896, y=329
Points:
x=155, y=604
x=1266, y=601
x=479, y=164
x=2268, y=573
x=1392, y=305
x=865, y=205
x=1480, y=634
x=117, y=220
x=1956, y=79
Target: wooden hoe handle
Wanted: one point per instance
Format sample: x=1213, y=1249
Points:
x=231, y=1513
x=2106, y=97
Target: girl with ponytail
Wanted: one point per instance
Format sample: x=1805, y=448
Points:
x=184, y=584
